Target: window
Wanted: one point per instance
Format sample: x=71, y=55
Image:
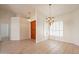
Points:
x=56, y=29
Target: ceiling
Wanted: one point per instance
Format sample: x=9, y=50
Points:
x=58, y=9
x=19, y=9
x=23, y=9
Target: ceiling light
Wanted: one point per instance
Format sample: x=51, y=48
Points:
x=50, y=19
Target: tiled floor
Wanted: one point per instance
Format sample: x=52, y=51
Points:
x=45, y=47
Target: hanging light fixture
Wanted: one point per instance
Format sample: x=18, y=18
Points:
x=29, y=17
x=50, y=19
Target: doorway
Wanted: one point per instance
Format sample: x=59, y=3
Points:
x=33, y=30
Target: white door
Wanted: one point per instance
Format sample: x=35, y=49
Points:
x=15, y=28
x=4, y=31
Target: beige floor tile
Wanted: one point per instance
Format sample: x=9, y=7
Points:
x=44, y=47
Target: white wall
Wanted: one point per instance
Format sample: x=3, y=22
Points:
x=70, y=23
x=71, y=27
x=5, y=17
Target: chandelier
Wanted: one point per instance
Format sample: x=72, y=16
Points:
x=50, y=19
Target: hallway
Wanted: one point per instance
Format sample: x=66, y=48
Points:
x=29, y=47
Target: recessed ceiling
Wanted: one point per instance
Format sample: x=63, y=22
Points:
x=23, y=9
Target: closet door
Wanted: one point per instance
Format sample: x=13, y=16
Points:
x=15, y=28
